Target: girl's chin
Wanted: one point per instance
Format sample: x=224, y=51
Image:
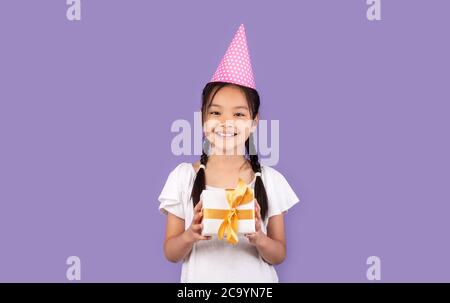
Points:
x=228, y=149
x=228, y=143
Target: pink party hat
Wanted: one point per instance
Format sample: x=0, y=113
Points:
x=235, y=66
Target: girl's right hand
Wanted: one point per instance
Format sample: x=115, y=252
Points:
x=194, y=232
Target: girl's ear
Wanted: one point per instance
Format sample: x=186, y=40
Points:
x=254, y=123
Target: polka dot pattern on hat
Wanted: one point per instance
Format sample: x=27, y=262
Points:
x=235, y=66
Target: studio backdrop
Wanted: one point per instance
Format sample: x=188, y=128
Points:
x=95, y=96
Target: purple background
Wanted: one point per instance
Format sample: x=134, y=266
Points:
x=86, y=109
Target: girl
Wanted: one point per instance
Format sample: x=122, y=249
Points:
x=230, y=114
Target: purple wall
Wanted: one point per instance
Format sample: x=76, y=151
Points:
x=86, y=109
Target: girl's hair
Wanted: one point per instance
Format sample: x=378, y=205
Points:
x=253, y=101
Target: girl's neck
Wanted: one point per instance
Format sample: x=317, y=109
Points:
x=227, y=161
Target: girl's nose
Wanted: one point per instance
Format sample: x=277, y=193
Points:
x=224, y=119
x=227, y=122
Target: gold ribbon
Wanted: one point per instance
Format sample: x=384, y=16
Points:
x=242, y=194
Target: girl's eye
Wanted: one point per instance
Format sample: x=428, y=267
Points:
x=215, y=113
x=240, y=114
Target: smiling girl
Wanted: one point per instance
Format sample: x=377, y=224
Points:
x=230, y=115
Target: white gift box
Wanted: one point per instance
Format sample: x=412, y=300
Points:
x=217, y=199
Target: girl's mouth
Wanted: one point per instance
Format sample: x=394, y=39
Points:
x=225, y=134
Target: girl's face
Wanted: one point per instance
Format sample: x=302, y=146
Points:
x=228, y=121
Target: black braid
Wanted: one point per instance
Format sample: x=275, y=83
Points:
x=199, y=183
x=260, y=190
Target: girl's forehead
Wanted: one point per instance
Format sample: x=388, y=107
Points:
x=229, y=97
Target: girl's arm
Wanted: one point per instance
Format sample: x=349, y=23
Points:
x=179, y=242
x=271, y=247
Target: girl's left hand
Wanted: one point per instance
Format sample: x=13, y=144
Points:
x=255, y=237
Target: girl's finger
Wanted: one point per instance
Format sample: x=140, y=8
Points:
x=258, y=214
x=197, y=227
x=198, y=215
x=197, y=219
x=204, y=237
x=198, y=207
x=258, y=224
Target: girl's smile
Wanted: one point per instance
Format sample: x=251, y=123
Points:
x=226, y=134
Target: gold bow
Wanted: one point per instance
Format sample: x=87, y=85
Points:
x=242, y=194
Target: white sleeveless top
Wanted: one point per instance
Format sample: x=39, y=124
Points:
x=216, y=260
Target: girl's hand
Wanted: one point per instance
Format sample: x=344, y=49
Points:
x=194, y=232
x=256, y=237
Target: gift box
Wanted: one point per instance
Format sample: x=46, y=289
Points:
x=228, y=212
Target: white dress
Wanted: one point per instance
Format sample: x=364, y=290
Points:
x=216, y=260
